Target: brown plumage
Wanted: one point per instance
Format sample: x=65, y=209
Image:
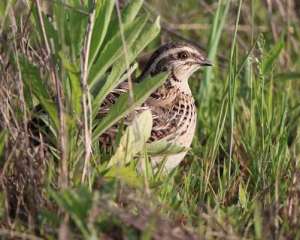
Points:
x=172, y=105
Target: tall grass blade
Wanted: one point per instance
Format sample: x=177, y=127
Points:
x=214, y=41
x=113, y=50
x=145, y=37
x=103, y=18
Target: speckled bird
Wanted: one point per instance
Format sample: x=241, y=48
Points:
x=172, y=105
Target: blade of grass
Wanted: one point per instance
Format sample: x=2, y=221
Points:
x=62, y=134
x=214, y=41
x=113, y=50
x=146, y=36
x=86, y=100
x=102, y=20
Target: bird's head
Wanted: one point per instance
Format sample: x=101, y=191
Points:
x=181, y=59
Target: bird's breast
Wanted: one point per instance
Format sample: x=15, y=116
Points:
x=176, y=121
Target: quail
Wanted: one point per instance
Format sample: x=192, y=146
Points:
x=172, y=105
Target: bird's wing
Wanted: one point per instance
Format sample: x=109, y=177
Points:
x=113, y=96
x=108, y=138
x=169, y=113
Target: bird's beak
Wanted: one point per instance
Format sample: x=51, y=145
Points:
x=205, y=62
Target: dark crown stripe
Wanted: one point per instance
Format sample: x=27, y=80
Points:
x=163, y=50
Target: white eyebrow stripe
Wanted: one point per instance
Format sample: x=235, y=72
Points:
x=171, y=52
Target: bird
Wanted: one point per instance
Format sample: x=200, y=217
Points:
x=172, y=105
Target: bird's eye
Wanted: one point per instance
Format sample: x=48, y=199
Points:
x=182, y=55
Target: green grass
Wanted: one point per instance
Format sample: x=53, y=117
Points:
x=240, y=179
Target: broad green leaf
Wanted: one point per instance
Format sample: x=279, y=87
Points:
x=77, y=203
x=128, y=15
x=114, y=49
x=271, y=57
x=112, y=81
x=61, y=17
x=76, y=37
x=104, y=12
x=163, y=147
x=39, y=89
x=74, y=78
x=131, y=10
x=134, y=139
x=76, y=92
x=146, y=36
x=121, y=108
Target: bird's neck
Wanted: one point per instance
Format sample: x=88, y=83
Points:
x=175, y=86
x=171, y=91
x=178, y=82
x=182, y=86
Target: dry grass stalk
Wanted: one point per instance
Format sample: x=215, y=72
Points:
x=86, y=101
